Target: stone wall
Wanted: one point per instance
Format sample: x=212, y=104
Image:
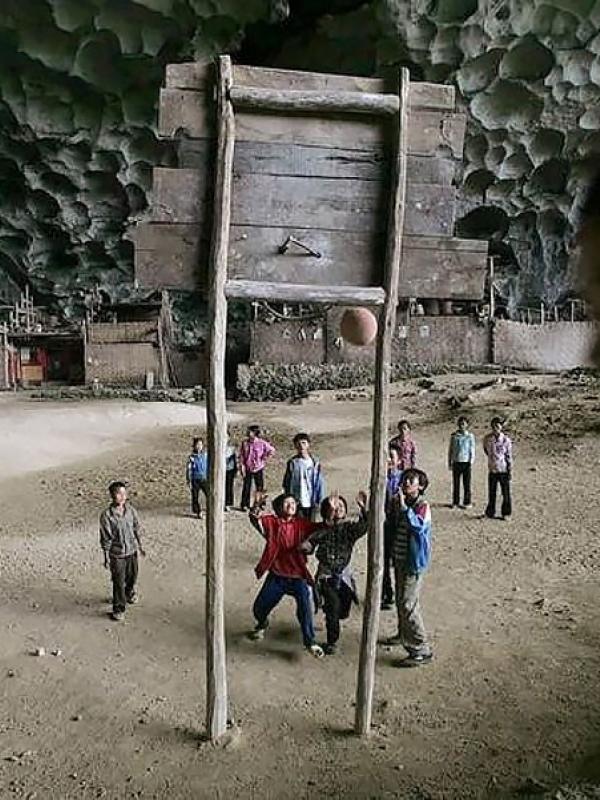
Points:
x=553, y=346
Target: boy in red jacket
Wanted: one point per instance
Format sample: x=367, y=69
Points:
x=285, y=565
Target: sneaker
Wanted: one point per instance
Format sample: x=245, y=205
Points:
x=315, y=650
x=416, y=660
x=386, y=605
x=258, y=634
x=133, y=599
x=329, y=649
x=118, y=616
x=468, y=506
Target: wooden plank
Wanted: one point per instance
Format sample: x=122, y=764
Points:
x=304, y=293
x=326, y=162
x=189, y=111
x=199, y=76
x=318, y=102
x=289, y=201
x=173, y=256
x=216, y=671
x=387, y=322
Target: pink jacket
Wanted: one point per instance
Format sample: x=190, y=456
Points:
x=254, y=454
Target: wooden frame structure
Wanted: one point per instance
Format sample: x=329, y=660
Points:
x=325, y=189
x=220, y=288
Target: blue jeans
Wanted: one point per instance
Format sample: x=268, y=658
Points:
x=273, y=590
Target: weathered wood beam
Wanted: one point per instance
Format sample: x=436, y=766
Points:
x=199, y=76
x=301, y=293
x=383, y=358
x=295, y=100
x=216, y=669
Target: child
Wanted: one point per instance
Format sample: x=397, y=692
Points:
x=461, y=457
x=334, y=544
x=394, y=478
x=285, y=565
x=254, y=454
x=230, y=473
x=498, y=448
x=411, y=551
x=120, y=541
x=406, y=446
x=196, y=474
x=303, y=477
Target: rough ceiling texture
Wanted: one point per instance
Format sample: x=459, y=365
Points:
x=79, y=84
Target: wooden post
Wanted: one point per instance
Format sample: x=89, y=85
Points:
x=492, y=295
x=387, y=322
x=216, y=673
x=542, y=313
x=572, y=311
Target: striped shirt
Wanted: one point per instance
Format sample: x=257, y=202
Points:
x=335, y=544
x=411, y=522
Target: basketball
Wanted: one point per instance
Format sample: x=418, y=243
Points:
x=358, y=326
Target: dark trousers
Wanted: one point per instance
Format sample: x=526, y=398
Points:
x=259, y=484
x=271, y=593
x=387, y=587
x=229, y=481
x=306, y=512
x=501, y=479
x=196, y=487
x=124, y=572
x=337, y=602
x=461, y=470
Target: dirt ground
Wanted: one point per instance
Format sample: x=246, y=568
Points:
x=509, y=706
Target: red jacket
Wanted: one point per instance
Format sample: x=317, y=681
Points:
x=282, y=555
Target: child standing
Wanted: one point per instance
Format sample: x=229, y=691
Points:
x=334, y=543
x=406, y=445
x=230, y=473
x=498, y=448
x=196, y=474
x=121, y=542
x=393, y=481
x=411, y=552
x=303, y=478
x=284, y=563
x=461, y=457
x=254, y=454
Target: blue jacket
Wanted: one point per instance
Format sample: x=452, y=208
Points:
x=197, y=467
x=317, y=488
x=411, y=543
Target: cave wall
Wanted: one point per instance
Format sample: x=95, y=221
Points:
x=79, y=84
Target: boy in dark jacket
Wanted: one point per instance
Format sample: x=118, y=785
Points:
x=411, y=552
x=196, y=474
x=303, y=478
x=284, y=563
x=334, y=544
x=120, y=540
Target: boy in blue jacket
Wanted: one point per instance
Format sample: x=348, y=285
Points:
x=411, y=551
x=303, y=479
x=196, y=474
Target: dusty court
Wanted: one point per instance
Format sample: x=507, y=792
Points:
x=510, y=703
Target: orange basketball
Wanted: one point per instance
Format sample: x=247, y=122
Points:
x=358, y=326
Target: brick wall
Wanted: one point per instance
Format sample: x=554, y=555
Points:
x=553, y=346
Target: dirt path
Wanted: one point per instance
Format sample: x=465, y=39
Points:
x=513, y=610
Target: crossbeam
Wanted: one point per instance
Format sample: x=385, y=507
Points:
x=311, y=100
x=303, y=293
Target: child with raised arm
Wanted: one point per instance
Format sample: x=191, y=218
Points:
x=303, y=478
x=334, y=544
x=284, y=563
x=120, y=540
x=405, y=445
x=461, y=457
x=254, y=454
x=392, y=485
x=196, y=474
x=411, y=553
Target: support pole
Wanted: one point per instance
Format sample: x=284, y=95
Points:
x=216, y=674
x=387, y=322
x=492, y=295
